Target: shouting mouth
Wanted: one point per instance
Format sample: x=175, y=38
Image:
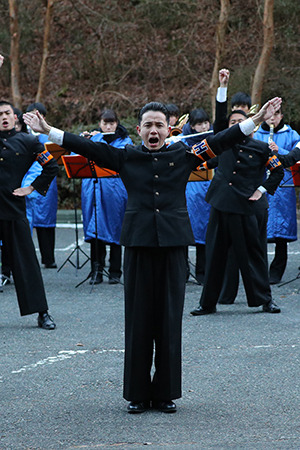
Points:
x=153, y=140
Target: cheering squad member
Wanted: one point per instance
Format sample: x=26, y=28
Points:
x=18, y=151
x=156, y=231
x=236, y=194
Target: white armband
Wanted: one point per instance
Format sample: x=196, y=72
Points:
x=56, y=136
x=262, y=189
x=221, y=94
x=247, y=126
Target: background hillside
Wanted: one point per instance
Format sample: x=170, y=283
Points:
x=123, y=54
x=107, y=53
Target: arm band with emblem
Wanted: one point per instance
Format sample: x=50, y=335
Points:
x=203, y=151
x=202, y=166
x=272, y=163
x=44, y=157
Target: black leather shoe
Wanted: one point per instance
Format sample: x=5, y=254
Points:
x=271, y=307
x=166, y=406
x=201, y=311
x=138, y=407
x=45, y=321
x=50, y=266
x=96, y=278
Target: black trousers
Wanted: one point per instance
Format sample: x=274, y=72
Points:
x=278, y=265
x=46, y=240
x=98, y=254
x=22, y=260
x=154, y=281
x=231, y=278
x=242, y=233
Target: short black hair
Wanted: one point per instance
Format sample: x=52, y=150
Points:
x=4, y=102
x=154, y=106
x=19, y=115
x=240, y=98
x=39, y=106
x=173, y=109
x=198, y=115
x=237, y=111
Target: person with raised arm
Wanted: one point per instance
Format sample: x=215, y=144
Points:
x=155, y=232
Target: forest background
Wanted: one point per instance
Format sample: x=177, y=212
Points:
x=120, y=55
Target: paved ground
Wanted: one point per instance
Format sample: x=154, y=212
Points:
x=63, y=389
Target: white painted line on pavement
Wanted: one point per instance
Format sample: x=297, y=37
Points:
x=62, y=355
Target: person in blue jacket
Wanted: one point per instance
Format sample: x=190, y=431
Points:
x=198, y=208
x=42, y=211
x=110, y=204
x=282, y=222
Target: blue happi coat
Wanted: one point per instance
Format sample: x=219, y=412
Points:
x=195, y=193
x=111, y=199
x=282, y=221
x=41, y=211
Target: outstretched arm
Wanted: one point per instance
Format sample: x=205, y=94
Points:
x=215, y=145
x=221, y=121
x=103, y=154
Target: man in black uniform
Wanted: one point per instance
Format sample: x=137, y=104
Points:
x=238, y=221
x=239, y=101
x=155, y=233
x=17, y=153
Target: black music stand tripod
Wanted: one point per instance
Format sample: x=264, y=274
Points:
x=77, y=248
x=295, y=172
x=72, y=170
x=97, y=269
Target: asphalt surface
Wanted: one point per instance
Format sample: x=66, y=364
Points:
x=62, y=389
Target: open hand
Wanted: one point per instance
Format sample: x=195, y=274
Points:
x=268, y=110
x=22, y=192
x=255, y=196
x=36, y=122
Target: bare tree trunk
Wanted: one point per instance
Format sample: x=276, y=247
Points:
x=43, y=69
x=268, y=26
x=220, y=37
x=14, y=53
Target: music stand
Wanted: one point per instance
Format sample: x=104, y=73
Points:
x=59, y=153
x=78, y=166
x=74, y=169
x=295, y=169
x=56, y=151
x=201, y=175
